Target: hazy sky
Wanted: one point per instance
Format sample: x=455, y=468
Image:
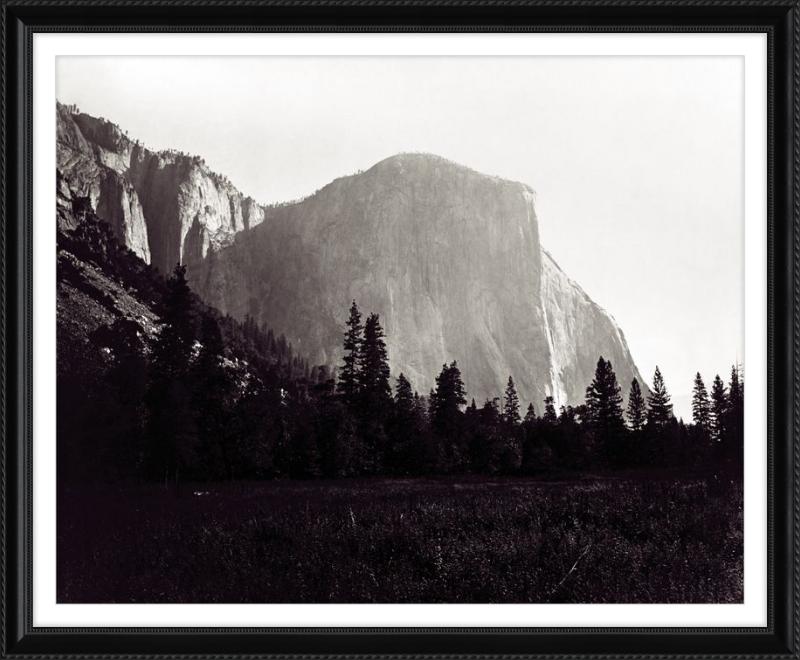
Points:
x=637, y=161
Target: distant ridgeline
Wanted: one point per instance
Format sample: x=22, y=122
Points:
x=156, y=385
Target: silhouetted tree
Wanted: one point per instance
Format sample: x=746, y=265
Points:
x=445, y=416
x=171, y=422
x=719, y=409
x=604, y=410
x=173, y=349
x=373, y=377
x=636, y=412
x=734, y=442
x=701, y=408
x=349, y=374
x=659, y=408
x=511, y=404
x=212, y=393
x=550, y=410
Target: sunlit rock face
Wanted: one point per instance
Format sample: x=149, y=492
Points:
x=167, y=207
x=451, y=261
x=449, y=258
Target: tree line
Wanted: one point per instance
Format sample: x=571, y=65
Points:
x=210, y=399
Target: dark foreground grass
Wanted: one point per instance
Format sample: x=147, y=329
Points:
x=637, y=538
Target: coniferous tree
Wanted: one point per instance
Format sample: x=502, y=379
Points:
x=373, y=378
x=511, y=405
x=445, y=406
x=701, y=407
x=719, y=409
x=212, y=394
x=409, y=452
x=448, y=397
x=604, y=410
x=404, y=394
x=530, y=415
x=636, y=411
x=349, y=374
x=659, y=407
x=550, y=416
x=173, y=349
x=734, y=445
x=171, y=421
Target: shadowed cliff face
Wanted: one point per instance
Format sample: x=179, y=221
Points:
x=448, y=257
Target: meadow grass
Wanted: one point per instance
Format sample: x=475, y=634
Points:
x=602, y=539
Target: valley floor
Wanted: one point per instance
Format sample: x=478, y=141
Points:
x=616, y=538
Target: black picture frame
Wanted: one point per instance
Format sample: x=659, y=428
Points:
x=779, y=19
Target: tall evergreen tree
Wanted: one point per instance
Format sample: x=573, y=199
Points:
x=604, y=398
x=701, y=408
x=550, y=415
x=404, y=394
x=636, y=412
x=373, y=378
x=604, y=410
x=446, y=418
x=719, y=409
x=409, y=451
x=349, y=373
x=659, y=407
x=511, y=405
x=171, y=424
x=173, y=349
x=448, y=397
x=734, y=445
x=735, y=392
x=530, y=414
x=211, y=391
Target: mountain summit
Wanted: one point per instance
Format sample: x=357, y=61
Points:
x=449, y=258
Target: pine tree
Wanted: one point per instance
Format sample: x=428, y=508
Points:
x=511, y=405
x=734, y=445
x=604, y=403
x=550, y=410
x=212, y=388
x=408, y=451
x=173, y=349
x=448, y=397
x=404, y=394
x=373, y=378
x=701, y=408
x=530, y=415
x=735, y=392
x=659, y=408
x=445, y=414
x=719, y=409
x=171, y=423
x=349, y=374
x=636, y=411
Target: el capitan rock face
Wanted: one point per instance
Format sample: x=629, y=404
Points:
x=449, y=258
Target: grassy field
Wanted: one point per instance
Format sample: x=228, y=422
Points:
x=626, y=538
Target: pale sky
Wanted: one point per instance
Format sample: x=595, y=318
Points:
x=637, y=161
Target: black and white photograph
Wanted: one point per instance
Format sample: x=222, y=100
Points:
x=400, y=330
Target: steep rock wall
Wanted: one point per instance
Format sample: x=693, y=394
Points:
x=167, y=207
x=449, y=258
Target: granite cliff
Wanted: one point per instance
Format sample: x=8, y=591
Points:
x=166, y=206
x=449, y=258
